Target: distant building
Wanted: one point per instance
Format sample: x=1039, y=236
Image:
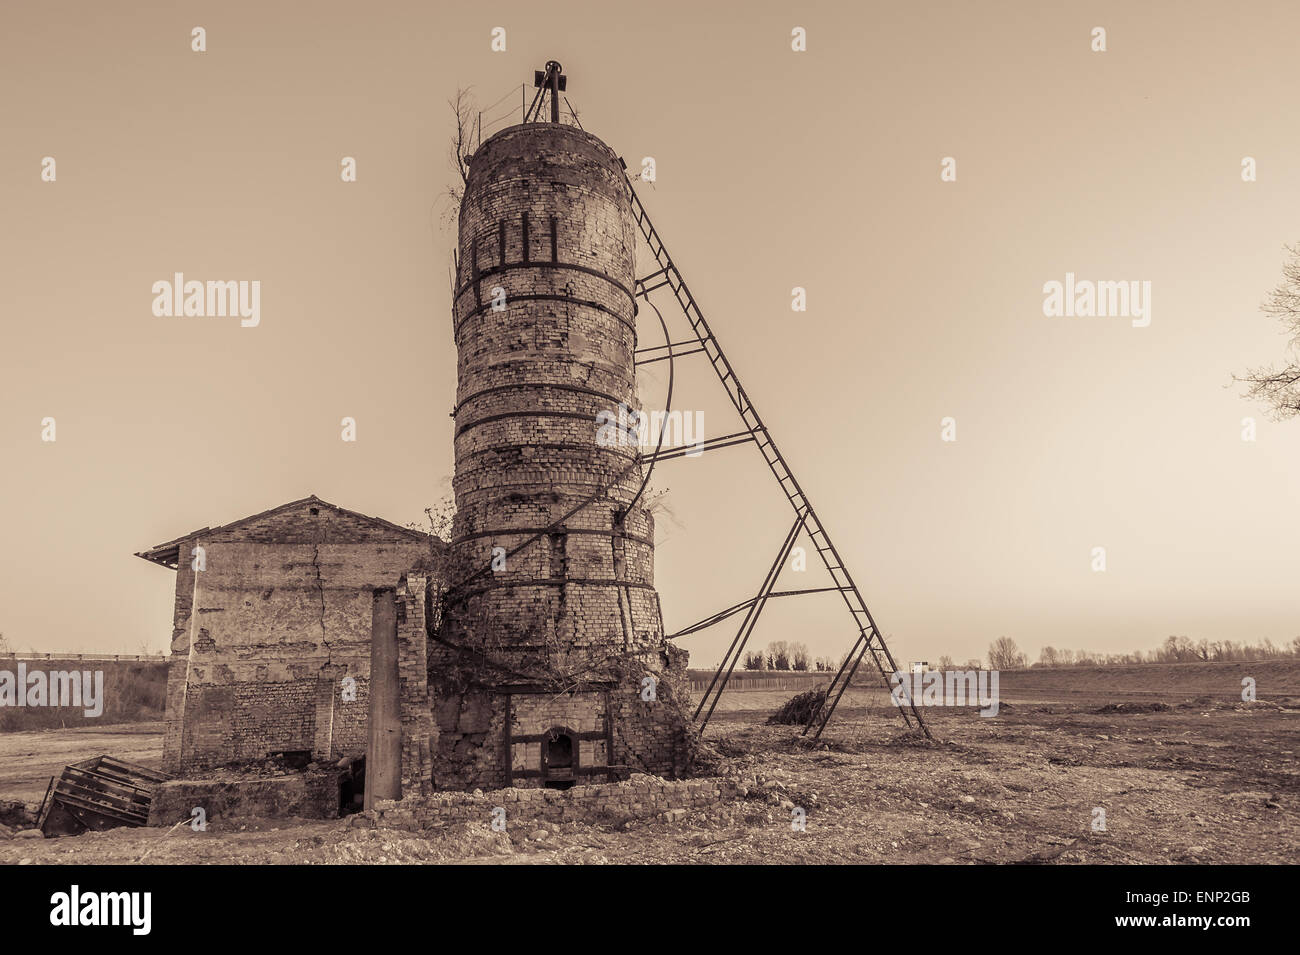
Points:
x=271, y=635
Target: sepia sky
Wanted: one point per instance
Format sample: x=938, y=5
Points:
x=775, y=169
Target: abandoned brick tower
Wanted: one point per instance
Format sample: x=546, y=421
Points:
x=551, y=666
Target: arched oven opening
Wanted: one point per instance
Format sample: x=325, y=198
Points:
x=559, y=758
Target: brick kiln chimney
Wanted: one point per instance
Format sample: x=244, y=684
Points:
x=545, y=327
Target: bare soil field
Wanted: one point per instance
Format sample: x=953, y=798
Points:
x=1169, y=682
x=1179, y=781
x=30, y=757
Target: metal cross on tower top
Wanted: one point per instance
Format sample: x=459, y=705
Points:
x=551, y=80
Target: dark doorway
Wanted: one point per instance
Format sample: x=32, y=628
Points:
x=293, y=759
x=352, y=787
x=559, y=752
x=559, y=759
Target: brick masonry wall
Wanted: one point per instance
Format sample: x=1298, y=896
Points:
x=279, y=618
x=650, y=735
x=546, y=231
x=534, y=713
x=532, y=379
x=413, y=677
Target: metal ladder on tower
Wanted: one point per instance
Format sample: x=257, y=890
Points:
x=869, y=638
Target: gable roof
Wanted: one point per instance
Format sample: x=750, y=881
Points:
x=168, y=554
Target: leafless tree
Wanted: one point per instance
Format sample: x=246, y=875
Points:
x=463, y=108
x=778, y=655
x=1279, y=388
x=1005, y=655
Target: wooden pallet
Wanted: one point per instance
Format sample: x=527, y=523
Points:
x=97, y=794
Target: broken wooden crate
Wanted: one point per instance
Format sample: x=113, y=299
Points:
x=96, y=794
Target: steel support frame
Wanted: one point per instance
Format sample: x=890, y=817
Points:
x=869, y=638
x=738, y=642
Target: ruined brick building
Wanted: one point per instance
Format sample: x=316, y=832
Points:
x=568, y=676
x=272, y=616
x=534, y=654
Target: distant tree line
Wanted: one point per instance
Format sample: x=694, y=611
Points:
x=784, y=655
x=1005, y=655
x=1175, y=649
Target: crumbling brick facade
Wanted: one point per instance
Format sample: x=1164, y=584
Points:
x=413, y=677
x=551, y=666
x=545, y=665
x=271, y=637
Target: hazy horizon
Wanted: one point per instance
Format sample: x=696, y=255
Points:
x=775, y=169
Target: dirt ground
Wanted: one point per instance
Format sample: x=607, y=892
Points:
x=29, y=758
x=1205, y=781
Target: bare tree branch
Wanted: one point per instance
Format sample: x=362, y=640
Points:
x=462, y=106
x=459, y=150
x=1279, y=388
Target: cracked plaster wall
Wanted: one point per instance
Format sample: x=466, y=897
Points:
x=262, y=645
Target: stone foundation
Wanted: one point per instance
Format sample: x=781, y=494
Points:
x=627, y=718
x=311, y=795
